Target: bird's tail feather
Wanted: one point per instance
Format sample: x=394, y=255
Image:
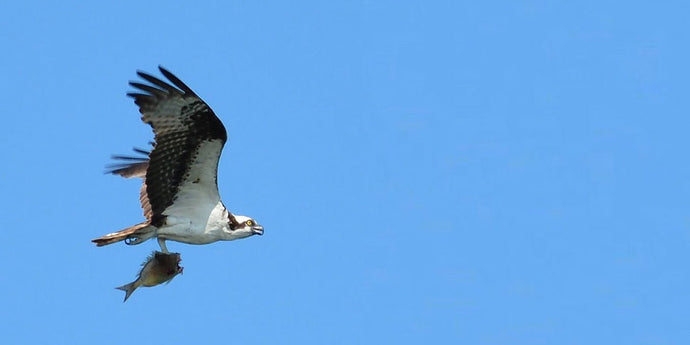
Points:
x=136, y=233
x=128, y=289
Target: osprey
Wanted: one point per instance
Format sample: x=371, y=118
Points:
x=179, y=193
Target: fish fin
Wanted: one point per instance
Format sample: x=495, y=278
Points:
x=128, y=289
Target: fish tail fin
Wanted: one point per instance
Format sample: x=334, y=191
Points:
x=128, y=289
x=135, y=234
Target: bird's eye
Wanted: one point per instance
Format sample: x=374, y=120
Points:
x=249, y=223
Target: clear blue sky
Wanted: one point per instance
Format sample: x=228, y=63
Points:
x=429, y=172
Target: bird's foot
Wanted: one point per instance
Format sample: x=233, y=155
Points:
x=134, y=239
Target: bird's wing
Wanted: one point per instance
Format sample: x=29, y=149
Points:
x=189, y=137
x=130, y=166
x=133, y=166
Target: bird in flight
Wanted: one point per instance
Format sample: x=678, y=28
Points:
x=179, y=194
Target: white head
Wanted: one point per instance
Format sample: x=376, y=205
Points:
x=242, y=226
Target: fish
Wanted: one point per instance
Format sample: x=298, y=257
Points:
x=159, y=268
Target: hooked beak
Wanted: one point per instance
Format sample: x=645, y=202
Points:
x=258, y=230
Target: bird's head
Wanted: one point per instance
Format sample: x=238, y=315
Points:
x=243, y=226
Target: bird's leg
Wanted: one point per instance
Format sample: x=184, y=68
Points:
x=161, y=242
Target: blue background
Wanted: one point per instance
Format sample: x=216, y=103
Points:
x=431, y=172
